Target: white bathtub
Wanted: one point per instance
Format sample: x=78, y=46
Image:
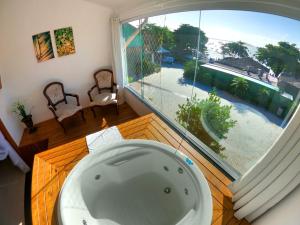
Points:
x=135, y=183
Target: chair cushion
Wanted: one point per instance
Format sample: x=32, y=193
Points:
x=55, y=93
x=104, y=99
x=66, y=110
x=104, y=79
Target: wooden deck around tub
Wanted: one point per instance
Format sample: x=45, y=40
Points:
x=51, y=168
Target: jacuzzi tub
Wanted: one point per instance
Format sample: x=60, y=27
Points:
x=135, y=183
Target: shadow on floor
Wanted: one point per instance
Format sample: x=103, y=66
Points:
x=12, y=182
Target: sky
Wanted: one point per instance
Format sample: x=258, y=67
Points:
x=257, y=29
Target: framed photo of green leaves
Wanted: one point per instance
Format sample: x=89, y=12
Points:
x=43, y=46
x=64, y=40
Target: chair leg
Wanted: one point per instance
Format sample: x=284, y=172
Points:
x=62, y=126
x=117, y=109
x=82, y=115
x=93, y=110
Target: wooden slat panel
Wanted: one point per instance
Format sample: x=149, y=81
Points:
x=234, y=221
x=216, y=215
x=43, y=218
x=224, y=218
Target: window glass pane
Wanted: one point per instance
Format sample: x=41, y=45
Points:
x=165, y=88
x=230, y=78
x=153, y=40
x=133, y=45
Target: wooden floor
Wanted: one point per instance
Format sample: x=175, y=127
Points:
x=76, y=128
x=52, y=166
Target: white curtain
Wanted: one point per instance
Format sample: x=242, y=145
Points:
x=272, y=178
x=7, y=150
x=117, y=55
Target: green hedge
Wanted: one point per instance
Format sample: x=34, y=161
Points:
x=256, y=94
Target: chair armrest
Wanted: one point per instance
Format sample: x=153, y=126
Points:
x=75, y=96
x=90, y=91
x=53, y=111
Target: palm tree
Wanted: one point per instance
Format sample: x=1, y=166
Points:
x=240, y=86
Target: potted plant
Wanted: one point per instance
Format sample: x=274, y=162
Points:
x=19, y=109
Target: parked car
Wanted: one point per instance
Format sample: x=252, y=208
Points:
x=168, y=59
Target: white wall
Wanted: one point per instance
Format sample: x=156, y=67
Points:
x=139, y=107
x=285, y=212
x=24, y=78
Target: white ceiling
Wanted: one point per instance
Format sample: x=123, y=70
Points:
x=119, y=5
x=135, y=8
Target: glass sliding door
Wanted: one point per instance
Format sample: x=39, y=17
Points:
x=229, y=80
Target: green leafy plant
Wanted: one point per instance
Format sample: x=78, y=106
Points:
x=281, y=57
x=189, y=69
x=156, y=36
x=216, y=117
x=186, y=36
x=130, y=79
x=19, y=109
x=147, y=67
x=240, y=86
x=263, y=97
x=213, y=97
x=235, y=49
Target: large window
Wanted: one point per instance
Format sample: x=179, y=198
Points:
x=229, y=79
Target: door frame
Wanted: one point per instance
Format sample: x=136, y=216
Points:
x=7, y=135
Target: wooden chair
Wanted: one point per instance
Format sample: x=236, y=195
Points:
x=104, y=92
x=58, y=104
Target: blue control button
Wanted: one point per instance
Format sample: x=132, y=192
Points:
x=189, y=161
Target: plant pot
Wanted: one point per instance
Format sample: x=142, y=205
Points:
x=29, y=123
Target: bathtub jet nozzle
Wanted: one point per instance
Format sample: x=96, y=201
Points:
x=167, y=190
